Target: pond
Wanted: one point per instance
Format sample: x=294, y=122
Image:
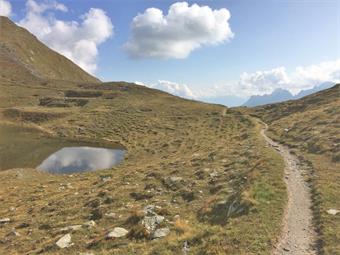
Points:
x=81, y=159
x=22, y=147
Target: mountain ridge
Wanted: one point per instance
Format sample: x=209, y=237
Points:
x=281, y=95
x=22, y=50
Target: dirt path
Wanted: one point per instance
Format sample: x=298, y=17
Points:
x=298, y=235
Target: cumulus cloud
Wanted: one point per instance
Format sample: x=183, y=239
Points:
x=314, y=74
x=263, y=82
x=303, y=77
x=75, y=40
x=173, y=88
x=176, y=34
x=5, y=8
x=258, y=83
x=176, y=89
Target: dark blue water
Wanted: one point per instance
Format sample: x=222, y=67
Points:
x=81, y=159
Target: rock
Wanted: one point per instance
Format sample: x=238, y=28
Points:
x=89, y=224
x=214, y=174
x=64, y=241
x=161, y=232
x=117, y=232
x=69, y=228
x=111, y=215
x=333, y=211
x=173, y=182
x=152, y=222
x=13, y=233
x=5, y=220
x=106, y=178
x=149, y=210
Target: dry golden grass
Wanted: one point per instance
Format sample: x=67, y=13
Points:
x=214, y=154
x=310, y=126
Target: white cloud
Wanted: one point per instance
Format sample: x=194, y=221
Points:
x=175, y=35
x=176, y=89
x=315, y=74
x=303, y=77
x=5, y=8
x=262, y=82
x=173, y=88
x=75, y=40
x=258, y=83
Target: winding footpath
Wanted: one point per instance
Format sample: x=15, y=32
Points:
x=298, y=234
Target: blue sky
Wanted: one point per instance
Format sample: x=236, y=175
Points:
x=268, y=35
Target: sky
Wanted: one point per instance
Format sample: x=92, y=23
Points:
x=211, y=50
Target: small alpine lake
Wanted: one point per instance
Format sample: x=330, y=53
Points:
x=24, y=147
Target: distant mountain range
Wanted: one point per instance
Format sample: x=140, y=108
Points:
x=281, y=95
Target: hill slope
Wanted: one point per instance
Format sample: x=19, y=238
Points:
x=311, y=126
x=202, y=167
x=27, y=54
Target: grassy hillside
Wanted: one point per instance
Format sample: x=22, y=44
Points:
x=202, y=167
x=311, y=126
x=19, y=46
x=216, y=152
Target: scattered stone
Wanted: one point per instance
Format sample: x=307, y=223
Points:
x=111, y=215
x=149, y=210
x=333, y=211
x=118, y=232
x=106, y=178
x=214, y=174
x=173, y=182
x=161, y=232
x=5, y=220
x=64, y=241
x=69, y=228
x=13, y=233
x=89, y=224
x=185, y=248
x=152, y=222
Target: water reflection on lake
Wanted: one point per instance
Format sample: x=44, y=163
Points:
x=81, y=159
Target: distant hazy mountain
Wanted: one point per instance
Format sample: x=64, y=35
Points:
x=229, y=101
x=280, y=95
x=322, y=86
